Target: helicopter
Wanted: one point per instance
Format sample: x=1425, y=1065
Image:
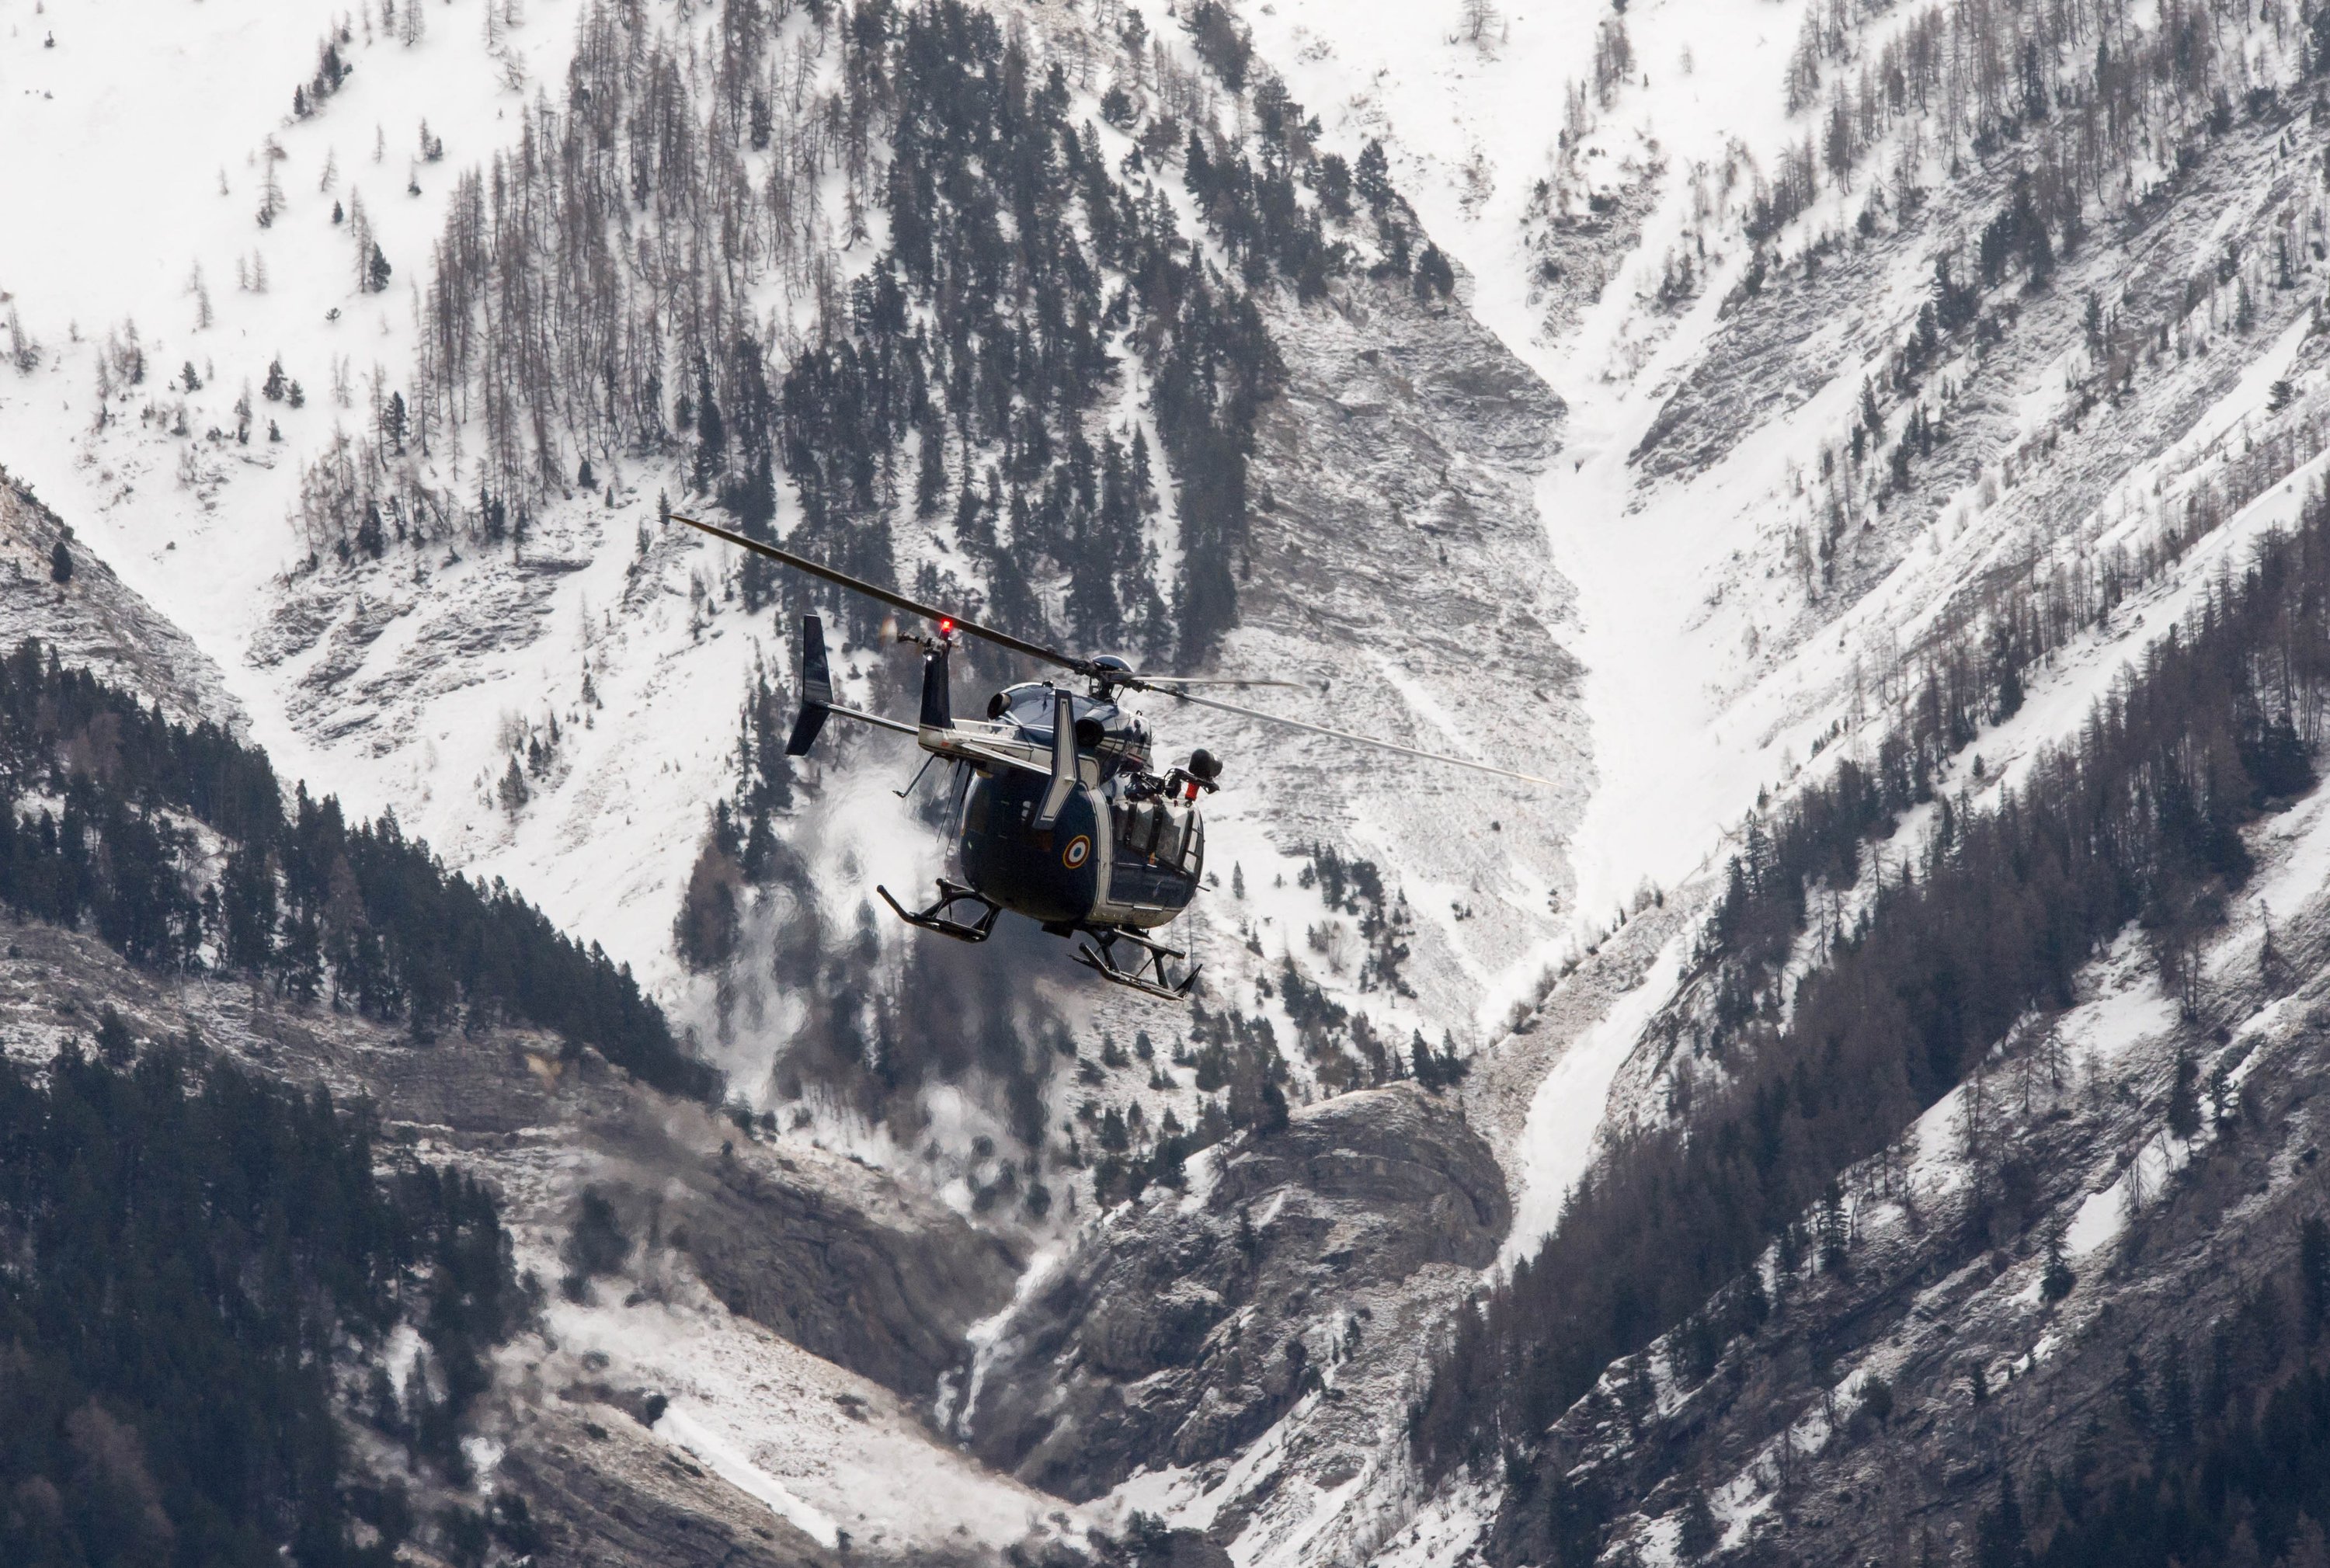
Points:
x=1060, y=817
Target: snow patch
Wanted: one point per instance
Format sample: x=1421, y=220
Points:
x=1557, y=1140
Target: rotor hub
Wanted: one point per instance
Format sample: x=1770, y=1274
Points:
x=1108, y=672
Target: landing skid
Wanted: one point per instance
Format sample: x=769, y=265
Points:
x=938, y=916
x=1149, y=975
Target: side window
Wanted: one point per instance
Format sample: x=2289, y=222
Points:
x=1153, y=830
x=1193, y=846
x=1135, y=829
x=1172, y=825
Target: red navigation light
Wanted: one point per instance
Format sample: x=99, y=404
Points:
x=946, y=626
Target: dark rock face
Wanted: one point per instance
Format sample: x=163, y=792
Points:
x=858, y=1271
x=1183, y=1329
x=840, y=1258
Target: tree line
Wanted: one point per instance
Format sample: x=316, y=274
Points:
x=588, y=299
x=206, y=1268
x=100, y=799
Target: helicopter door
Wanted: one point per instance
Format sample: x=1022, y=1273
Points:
x=1170, y=838
x=1160, y=847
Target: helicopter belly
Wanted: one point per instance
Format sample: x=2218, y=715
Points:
x=1051, y=874
x=1138, y=916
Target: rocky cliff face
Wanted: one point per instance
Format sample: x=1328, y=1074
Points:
x=1400, y=568
x=835, y=1256
x=1293, y=1275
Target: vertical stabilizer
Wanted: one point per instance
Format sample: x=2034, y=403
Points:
x=938, y=712
x=1064, y=763
x=817, y=688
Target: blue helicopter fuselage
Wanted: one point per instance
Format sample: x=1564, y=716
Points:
x=1108, y=858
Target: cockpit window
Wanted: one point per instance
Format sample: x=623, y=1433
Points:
x=1117, y=735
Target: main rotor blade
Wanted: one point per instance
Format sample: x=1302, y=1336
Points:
x=895, y=600
x=1360, y=740
x=1148, y=683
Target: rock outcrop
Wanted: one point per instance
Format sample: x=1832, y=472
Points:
x=1186, y=1327
x=835, y=1256
x=609, y=1495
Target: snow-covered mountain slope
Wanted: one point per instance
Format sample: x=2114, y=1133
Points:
x=1396, y=471
x=1683, y=508
x=1756, y=590
x=1739, y=605
x=1677, y=500
x=181, y=118
x=407, y=688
